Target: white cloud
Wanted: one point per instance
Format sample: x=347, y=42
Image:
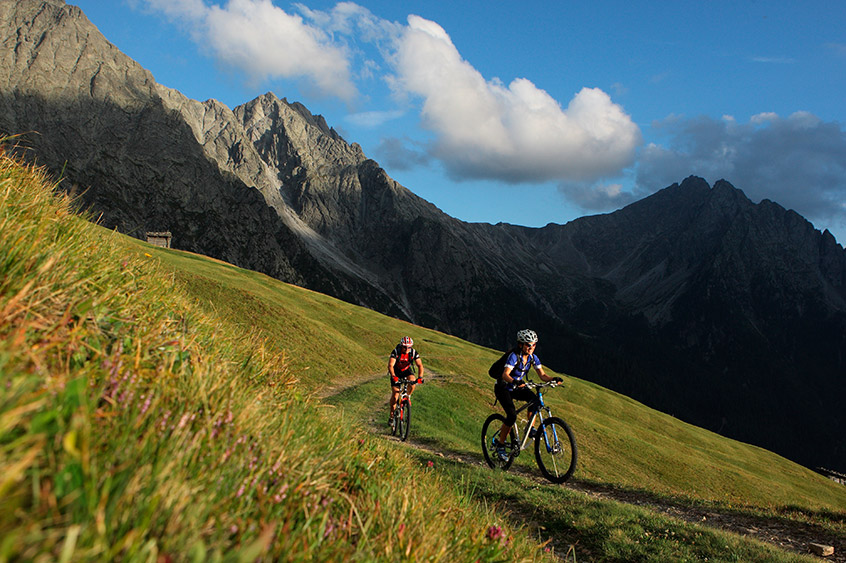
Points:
x=774, y=60
x=839, y=49
x=765, y=117
x=597, y=197
x=265, y=42
x=372, y=119
x=350, y=19
x=517, y=133
x=179, y=9
x=798, y=161
x=402, y=154
x=481, y=127
x=619, y=89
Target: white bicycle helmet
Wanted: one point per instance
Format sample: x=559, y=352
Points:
x=526, y=336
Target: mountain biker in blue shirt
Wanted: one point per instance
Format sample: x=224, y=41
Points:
x=511, y=384
x=401, y=366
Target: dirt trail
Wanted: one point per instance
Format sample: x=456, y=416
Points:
x=340, y=385
x=786, y=534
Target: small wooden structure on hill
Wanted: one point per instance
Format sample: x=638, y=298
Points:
x=159, y=239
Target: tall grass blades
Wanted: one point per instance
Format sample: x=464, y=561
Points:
x=135, y=425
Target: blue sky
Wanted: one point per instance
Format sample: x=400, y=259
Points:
x=533, y=112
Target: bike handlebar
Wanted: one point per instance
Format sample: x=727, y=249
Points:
x=533, y=385
x=411, y=381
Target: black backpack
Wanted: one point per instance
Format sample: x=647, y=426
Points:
x=496, y=368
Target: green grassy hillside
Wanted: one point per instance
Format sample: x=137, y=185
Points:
x=139, y=421
x=155, y=403
x=331, y=345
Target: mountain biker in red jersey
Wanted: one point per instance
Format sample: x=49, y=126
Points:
x=401, y=366
x=511, y=386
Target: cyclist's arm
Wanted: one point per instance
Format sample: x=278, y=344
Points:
x=545, y=377
x=420, y=370
x=506, y=374
x=391, y=363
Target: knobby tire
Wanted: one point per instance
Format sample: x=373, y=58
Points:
x=556, y=465
x=405, y=420
x=490, y=429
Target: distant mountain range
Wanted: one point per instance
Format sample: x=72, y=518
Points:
x=727, y=314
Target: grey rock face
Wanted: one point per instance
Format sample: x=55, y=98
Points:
x=146, y=158
x=728, y=314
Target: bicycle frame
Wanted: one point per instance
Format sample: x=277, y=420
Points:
x=404, y=396
x=522, y=441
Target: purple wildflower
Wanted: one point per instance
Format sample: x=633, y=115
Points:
x=495, y=533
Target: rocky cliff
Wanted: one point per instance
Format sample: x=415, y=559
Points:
x=725, y=313
x=737, y=313
x=144, y=157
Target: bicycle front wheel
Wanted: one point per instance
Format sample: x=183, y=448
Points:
x=404, y=420
x=490, y=430
x=555, y=450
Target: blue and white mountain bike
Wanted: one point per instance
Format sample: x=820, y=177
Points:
x=555, y=445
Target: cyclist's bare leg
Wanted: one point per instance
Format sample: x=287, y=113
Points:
x=503, y=433
x=395, y=392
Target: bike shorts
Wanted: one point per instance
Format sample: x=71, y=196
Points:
x=506, y=398
x=408, y=374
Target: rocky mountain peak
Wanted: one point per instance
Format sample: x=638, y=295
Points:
x=299, y=148
x=56, y=40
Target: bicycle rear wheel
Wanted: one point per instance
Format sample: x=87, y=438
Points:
x=404, y=420
x=490, y=430
x=555, y=450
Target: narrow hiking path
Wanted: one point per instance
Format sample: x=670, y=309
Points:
x=340, y=385
x=785, y=533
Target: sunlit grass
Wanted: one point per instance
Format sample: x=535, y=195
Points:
x=157, y=403
x=136, y=425
x=571, y=523
x=334, y=344
x=622, y=443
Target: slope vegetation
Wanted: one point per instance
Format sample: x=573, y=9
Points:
x=140, y=423
x=157, y=403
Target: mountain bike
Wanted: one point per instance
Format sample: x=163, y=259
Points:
x=555, y=444
x=401, y=420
